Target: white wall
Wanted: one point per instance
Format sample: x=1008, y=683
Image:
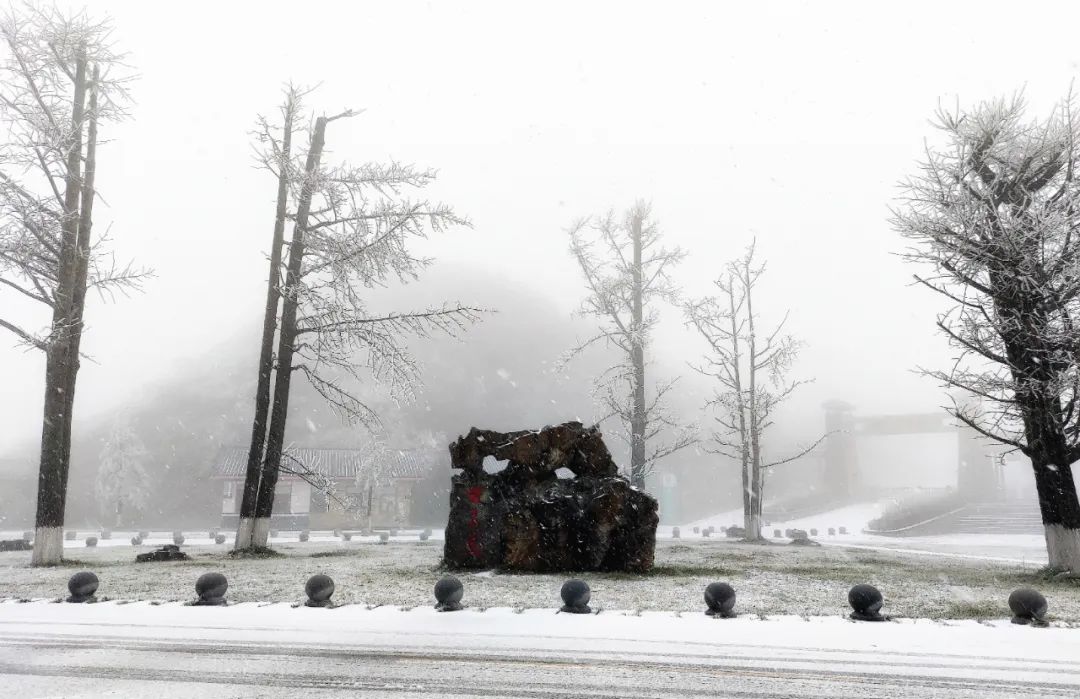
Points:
x=908, y=461
x=301, y=497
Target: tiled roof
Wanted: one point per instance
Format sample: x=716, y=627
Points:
x=339, y=464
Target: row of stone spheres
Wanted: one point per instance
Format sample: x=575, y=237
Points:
x=525, y=517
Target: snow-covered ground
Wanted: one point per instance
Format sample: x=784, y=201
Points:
x=1019, y=549
x=171, y=650
x=770, y=579
x=1022, y=550
x=202, y=537
x=853, y=517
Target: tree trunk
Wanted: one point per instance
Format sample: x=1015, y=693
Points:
x=1044, y=425
x=1054, y=482
x=245, y=532
x=56, y=423
x=275, y=441
x=638, y=417
x=740, y=406
x=753, y=532
x=82, y=256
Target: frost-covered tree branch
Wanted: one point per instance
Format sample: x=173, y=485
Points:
x=991, y=218
x=626, y=272
x=750, y=369
x=354, y=228
x=60, y=82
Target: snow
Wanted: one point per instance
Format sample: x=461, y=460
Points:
x=157, y=539
x=853, y=517
x=1019, y=549
x=993, y=651
x=769, y=579
x=718, y=520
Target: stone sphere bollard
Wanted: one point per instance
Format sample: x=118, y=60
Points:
x=866, y=601
x=448, y=594
x=337, y=533
x=384, y=537
x=843, y=530
x=178, y=538
x=707, y=532
x=575, y=596
x=832, y=531
x=813, y=532
x=776, y=533
x=697, y=530
x=675, y=533
x=211, y=588
x=1028, y=607
x=425, y=535
x=428, y=532
x=71, y=535
x=720, y=600
x=319, y=588
x=91, y=541
x=106, y=535
x=347, y=536
x=136, y=541
x=219, y=538
x=82, y=587
x=144, y=535
x=305, y=535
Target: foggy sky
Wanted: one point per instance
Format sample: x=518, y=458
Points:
x=791, y=122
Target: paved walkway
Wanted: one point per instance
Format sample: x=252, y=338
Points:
x=49, y=650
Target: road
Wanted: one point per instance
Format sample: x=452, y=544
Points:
x=53, y=650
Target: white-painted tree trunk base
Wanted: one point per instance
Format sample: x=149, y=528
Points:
x=753, y=532
x=1063, y=547
x=48, y=546
x=252, y=532
x=243, y=534
x=260, y=532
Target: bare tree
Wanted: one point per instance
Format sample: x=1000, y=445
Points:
x=352, y=226
x=275, y=155
x=626, y=271
x=750, y=369
x=993, y=215
x=58, y=83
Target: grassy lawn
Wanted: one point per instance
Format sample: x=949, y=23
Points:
x=769, y=580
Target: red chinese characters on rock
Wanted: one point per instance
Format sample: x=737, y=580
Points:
x=472, y=542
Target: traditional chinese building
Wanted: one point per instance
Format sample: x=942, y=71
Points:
x=329, y=488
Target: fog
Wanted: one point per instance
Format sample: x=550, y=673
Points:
x=791, y=123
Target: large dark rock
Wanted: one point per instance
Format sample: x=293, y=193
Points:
x=527, y=518
x=168, y=552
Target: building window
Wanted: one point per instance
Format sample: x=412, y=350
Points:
x=283, y=499
x=228, y=489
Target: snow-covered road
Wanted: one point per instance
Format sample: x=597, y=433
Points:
x=247, y=650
